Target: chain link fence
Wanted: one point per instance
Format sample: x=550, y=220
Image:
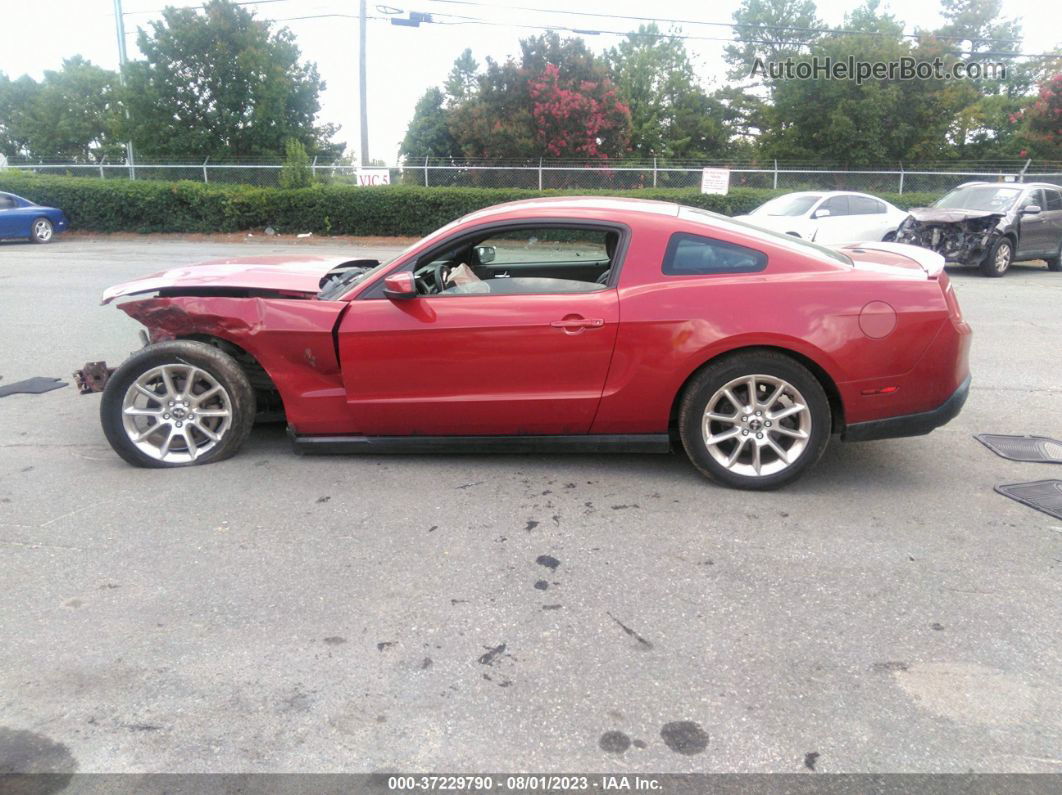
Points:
x=571, y=175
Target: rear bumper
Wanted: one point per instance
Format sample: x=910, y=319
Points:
x=910, y=424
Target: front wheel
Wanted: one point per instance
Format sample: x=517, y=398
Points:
x=754, y=420
x=41, y=231
x=177, y=404
x=999, y=258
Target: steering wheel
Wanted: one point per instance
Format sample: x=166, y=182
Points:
x=442, y=272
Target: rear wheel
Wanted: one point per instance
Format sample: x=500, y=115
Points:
x=754, y=420
x=890, y=237
x=177, y=404
x=999, y=257
x=1055, y=263
x=41, y=231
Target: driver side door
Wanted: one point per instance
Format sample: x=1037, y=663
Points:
x=9, y=216
x=473, y=364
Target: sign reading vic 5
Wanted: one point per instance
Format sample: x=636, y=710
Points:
x=370, y=177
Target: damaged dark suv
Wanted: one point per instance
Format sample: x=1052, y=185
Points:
x=991, y=225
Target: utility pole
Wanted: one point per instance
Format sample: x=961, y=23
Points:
x=119, y=24
x=361, y=87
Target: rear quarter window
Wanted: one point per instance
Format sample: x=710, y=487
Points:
x=693, y=255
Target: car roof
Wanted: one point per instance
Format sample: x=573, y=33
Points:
x=584, y=205
x=828, y=193
x=1020, y=185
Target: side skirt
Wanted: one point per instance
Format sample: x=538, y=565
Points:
x=375, y=445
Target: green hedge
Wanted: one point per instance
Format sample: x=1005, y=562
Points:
x=123, y=206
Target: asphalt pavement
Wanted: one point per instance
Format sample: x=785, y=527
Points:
x=889, y=612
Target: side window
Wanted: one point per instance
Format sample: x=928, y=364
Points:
x=1053, y=200
x=689, y=255
x=6, y=202
x=864, y=205
x=1034, y=197
x=526, y=260
x=837, y=205
x=545, y=246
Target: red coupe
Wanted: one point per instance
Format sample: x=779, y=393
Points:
x=560, y=324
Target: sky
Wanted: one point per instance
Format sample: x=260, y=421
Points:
x=404, y=61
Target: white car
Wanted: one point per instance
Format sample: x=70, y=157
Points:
x=829, y=216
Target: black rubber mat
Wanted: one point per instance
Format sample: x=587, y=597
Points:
x=32, y=386
x=1031, y=449
x=1043, y=495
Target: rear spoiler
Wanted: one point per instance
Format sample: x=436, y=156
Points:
x=930, y=261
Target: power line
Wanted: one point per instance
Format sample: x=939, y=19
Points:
x=200, y=7
x=699, y=22
x=688, y=37
x=465, y=20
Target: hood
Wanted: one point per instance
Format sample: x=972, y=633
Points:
x=937, y=215
x=295, y=275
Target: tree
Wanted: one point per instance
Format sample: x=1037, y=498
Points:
x=979, y=109
x=16, y=96
x=222, y=84
x=1040, y=124
x=463, y=81
x=70, y=115
x=558, y=101
x=843, y=122
x=297, y=172
x=671, y=115
x=428, y=134
x=770, y=30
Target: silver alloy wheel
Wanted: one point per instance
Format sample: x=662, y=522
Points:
x=756, y=425
x=42, y=230
x=176, y=413
x=1002, y=261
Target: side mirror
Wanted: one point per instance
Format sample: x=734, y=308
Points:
x=486, y=254
x=400, y=286
x=821, y=213
x=1032, y=209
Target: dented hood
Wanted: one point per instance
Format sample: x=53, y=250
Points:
x=298, y=275
x=935, y=215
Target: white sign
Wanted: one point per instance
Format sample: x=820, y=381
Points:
x=715, y=180
x=3, y=160
x=370, y=177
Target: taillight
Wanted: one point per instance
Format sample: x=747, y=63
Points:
x=949, y=296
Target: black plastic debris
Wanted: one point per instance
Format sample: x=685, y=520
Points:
x=1043, y=495
x=32, y=386
x=1029, y=449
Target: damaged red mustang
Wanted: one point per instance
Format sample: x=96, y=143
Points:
x=563, y=324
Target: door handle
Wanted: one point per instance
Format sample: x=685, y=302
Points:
x=576, y=323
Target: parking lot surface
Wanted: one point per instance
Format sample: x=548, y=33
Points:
x=889, y=612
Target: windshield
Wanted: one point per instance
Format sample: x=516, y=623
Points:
x=988, y=198
x=338, y=285
x=336, y=288
x=791, y=205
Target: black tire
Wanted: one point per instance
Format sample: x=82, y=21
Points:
x=41, y=231
x=718, y=374
x=1055, y=263
x=890, y=237
x=989, y=266
x=238, y=399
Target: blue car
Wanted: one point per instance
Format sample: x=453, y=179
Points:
x=21, y=218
